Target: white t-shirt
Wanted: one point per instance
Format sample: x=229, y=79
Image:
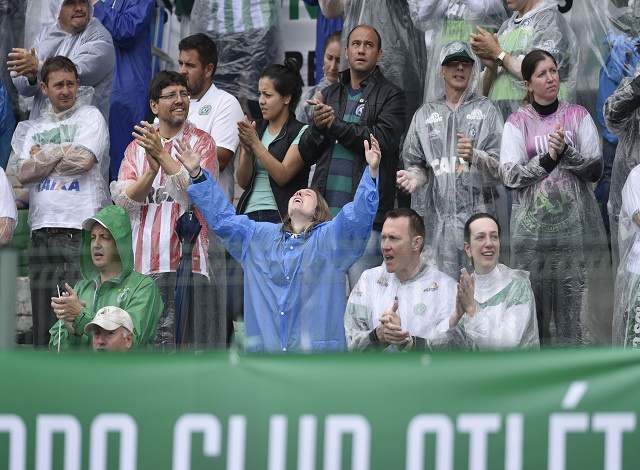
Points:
x=66, y=201
x=218, y=113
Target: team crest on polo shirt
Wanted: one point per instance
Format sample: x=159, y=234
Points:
x=205, y=110
x=432, y=287
x=420, y=309
x=382, y=281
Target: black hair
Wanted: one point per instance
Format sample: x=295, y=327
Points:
x=416, y=223
x=55, y=64
x=204, y=45
x=286, y=80
x=371, y=28
x=473, y=218
x=162, y=80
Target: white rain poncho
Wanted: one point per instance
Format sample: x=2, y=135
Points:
x=622, y=115
x=60, y=148
x=8, y=211
x=91, y=50
x=425, y=303
x=505, y=311
x=304, y=111
x=543, y=27
x=452, y=190
x=626, y=313
x=404, y=55
x=446, y=21
x=557, y=233
x=248, y=36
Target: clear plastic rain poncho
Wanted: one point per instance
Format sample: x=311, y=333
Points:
x=248, y=36
x=404, y=55
x=452, y=190
x=8, y=211
x=543, y=27
x=445, y=21
x=91, y=50
x=622, y=115
x=506, y=312
x=11, y=35
x=626, y=314
x=52, y=157
x=557, y=233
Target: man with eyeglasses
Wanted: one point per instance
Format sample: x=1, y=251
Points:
x=152, y=187
x=451, y=156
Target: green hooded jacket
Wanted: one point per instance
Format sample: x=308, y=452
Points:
x=131, y=291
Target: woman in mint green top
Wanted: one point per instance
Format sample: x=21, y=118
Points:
x=270, y=168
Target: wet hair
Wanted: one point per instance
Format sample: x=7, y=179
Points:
x=321, y=215
x=472, y=219
x=416, y=223
x=56, y=64
x=529, y=64
x=286, y=80
x=335, y=37
x=204, y=45
x=371, y=28
x=162, y=80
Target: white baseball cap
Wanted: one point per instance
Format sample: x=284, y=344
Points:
x=110, y=318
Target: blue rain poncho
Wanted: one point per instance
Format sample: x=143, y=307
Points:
x=91, y=50
x=129, y=23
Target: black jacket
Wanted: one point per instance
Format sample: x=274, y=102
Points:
x=384, y=116
x=278, y=148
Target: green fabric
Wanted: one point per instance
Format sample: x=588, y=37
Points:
x=131, y=291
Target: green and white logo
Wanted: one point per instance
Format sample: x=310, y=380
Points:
x=204, y=110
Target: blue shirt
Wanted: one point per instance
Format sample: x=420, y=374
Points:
x=294, y=287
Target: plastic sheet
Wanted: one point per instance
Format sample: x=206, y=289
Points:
x=450, y=189
x=304, y=112
x=60, y=154
x=404, y=55
x=91, y=50
x=8, y=211
x=543, y=27
x=506, y=313
x=12, y=22
x=557, y=233
x=248, y=37
x=626, y=314
x=445, y=21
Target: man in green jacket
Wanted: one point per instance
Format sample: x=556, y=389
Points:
x=106, y=264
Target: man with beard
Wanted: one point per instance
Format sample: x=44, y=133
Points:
x=152, y=187
x=211, y=109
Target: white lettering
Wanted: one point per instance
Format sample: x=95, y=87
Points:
x=17, y=430
x=561, y=424
x=307, y=442
x=337, y=425
x=189, y=424
x=542, y=144
x=437, y=424
x=101, y=426
x=237, y=442
x=435, y=117
x=613, y=425
x=48, y=425
x=277, y=442
x=478, y=426
x=514, y=430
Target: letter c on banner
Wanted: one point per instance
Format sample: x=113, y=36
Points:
x=189, y=424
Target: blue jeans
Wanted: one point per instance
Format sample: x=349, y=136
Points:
x=53, y=260
x=371, y=258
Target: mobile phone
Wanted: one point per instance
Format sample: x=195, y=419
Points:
x=61, y=289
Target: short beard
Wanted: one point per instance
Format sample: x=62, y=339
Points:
x=196, y=88
x=175, y=122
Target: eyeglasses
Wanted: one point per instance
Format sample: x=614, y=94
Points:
x=172, y=96
x=456, y=63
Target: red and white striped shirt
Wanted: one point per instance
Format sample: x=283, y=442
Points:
x=156, y=246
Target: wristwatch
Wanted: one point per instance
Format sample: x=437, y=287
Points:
x=500, y=58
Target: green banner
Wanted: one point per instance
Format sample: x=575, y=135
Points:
x=573, y=409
